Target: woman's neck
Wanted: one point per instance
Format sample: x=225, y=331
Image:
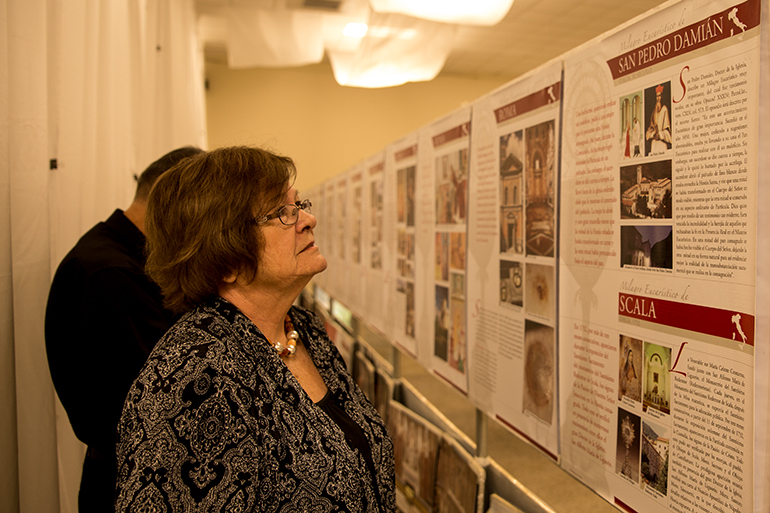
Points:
x=266, y=309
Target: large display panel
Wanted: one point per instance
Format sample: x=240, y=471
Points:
x=512, y=251
x=442, y=243
x=583, y=254
x=375, y=252
x=658, y=260
x=405, y=279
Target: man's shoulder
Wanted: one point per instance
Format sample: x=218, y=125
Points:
x=104, y=247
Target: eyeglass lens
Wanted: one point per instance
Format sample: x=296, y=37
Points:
x=290, y=213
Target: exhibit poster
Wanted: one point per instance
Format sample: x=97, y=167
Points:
x=460, y=479
x=341, y=235
x=374, y=250
x=353, y=281
x=316, y=195
x=416, y=444
x=657, y=285
x=442, y=246
x=327, y=221
x=404, y=290
x=512, y=252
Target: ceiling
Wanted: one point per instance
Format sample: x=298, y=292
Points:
x=532, y=33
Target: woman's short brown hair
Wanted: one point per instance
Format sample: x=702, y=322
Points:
x=200, y=220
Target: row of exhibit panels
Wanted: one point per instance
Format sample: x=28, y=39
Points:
x=438, y=467
x=577, y=253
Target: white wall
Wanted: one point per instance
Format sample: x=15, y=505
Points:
x=326, y=128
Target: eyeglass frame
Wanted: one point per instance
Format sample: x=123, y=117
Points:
x=305, y=205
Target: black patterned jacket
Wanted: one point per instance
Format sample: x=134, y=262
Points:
x=216, y=422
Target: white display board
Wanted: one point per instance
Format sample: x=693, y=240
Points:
x=658, y=264
x=512, y=251
x=442, y=246
x=404, y=285
x=375, y=253
x=583, y=253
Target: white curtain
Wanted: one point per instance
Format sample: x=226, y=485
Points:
x=102, y=88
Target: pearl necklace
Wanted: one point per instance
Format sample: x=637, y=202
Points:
x=291, y=339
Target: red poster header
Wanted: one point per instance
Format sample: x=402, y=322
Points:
x=450, y=135
x=733, y=21
x=406, y=153
x=700, y=319
x=546, y=96
x=377, y=168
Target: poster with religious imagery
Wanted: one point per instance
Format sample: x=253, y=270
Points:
x=512, y=251
x=326, y=214
x=443, y=202
x=460, y=479
x=416, y=445
x=374, y=251
x=352, y=283
x=658, y=259
x=316, y=195
x=405, y=290
x=342, y=239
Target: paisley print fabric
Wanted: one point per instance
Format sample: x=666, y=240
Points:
x=215, y=422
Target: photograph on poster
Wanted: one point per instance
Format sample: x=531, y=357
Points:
x=459, y=480
x=375, y=205
x=458, y=285
x=441, y=329
x=342, y=219
x=630, y=369
x=645, y=191
x=656, y=441
x=410, y=263
x=457, y=335
x=539, y=169
x=540, y=287
x=406, y=264
x=383, y=392
x=452, y=187
x=646, y=247
x=442, y=256
x=458, y=250
x=416, y=445
x=511, y=193
x=405, y=183
x=539, y=370
x=628, y=444
x=410, y=204
x=511, y=283
x=657, y=109
x=357, y=215
x=410, y=318
x=657, y=380
x=631, y=139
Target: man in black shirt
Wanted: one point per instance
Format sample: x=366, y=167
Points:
x=103, y=318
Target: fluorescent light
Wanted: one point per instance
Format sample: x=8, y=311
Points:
x=395, y=50
x=355, y=30
x=464, y=12
x=398, y=33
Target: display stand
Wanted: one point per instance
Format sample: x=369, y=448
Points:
x=385, y=359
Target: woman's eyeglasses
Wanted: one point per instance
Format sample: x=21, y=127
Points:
x=287, y=214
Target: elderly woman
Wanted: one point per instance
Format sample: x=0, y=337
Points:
x=245, y=404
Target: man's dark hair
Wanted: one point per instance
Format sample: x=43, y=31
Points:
x=160, y=166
